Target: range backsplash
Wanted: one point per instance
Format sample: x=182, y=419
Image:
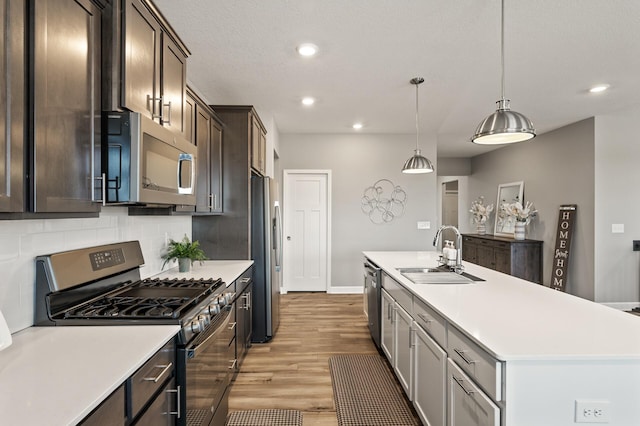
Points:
x=22, y=240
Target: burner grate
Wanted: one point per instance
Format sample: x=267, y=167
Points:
x=149, y=298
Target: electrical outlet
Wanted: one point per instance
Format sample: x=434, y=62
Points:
x=636, y=245
x=592, y=411
x=424, y=225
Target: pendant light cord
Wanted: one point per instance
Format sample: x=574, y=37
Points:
x=417, y=126
x=502, y=47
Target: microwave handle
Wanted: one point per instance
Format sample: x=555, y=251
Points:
x=181, y=159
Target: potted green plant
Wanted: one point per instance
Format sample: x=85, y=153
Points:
x=185, y=252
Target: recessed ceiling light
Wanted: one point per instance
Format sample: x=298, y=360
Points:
x=357, y=126
x=308, y=100
x=307, y=49
x=599, y=88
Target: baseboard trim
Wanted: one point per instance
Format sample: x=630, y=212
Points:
x=346, y=290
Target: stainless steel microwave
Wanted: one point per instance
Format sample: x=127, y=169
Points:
x=145, y=163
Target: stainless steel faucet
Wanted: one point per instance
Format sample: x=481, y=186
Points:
x=458, y=268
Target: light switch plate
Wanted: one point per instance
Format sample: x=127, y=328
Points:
x=617, y=228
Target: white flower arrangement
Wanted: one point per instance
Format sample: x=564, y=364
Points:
x=479, y=211
x=518, y=212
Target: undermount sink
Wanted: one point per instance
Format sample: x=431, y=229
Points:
x=440, y=275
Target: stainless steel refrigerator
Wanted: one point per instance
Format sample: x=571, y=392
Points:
x=266, y=252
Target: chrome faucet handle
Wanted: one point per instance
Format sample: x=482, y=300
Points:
x=458, y=269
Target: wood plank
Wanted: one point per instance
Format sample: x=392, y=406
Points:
x=292, y=370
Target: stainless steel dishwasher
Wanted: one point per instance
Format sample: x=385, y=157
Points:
x=372, y=289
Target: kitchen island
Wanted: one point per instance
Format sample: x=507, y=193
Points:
x=550, y=352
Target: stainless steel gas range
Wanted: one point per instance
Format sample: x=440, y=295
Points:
x=101, y=285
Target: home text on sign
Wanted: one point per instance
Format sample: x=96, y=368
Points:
x=561, y=252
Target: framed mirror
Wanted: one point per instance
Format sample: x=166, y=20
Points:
x=507, y=193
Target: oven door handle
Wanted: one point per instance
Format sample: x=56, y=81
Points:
x=222, y=326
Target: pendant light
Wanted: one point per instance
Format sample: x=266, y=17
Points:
x=417, y=163
x=504, y=125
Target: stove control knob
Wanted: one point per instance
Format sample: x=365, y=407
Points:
x=197, y=326
x=214, y=309
x=204, y=319
x=222, y=301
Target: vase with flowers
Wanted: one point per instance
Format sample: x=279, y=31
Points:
x=522, y=216
x=479, y=214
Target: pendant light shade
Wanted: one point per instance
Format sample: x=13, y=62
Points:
x=418, y=163
x=503, y=126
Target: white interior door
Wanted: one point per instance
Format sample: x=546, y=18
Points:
x=306, y=230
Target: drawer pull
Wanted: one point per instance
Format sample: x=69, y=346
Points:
x=459, y=382
x=233, y=362
x=232, y=325
x=461, y=354
x=245, y=280
x=177, y=392
x=165, y=368
x=424, y=318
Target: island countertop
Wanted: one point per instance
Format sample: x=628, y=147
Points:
x=514, y=319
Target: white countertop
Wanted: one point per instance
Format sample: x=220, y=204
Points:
x=515, y=319
x=58, y=375
x=228, y=270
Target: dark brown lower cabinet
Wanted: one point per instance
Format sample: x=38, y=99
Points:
x=520, y=258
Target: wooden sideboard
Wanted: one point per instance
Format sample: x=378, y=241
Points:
x=520, y=258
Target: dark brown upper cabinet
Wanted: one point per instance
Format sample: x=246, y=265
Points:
x=12, y=106
x=65, y=99
x=147, y=64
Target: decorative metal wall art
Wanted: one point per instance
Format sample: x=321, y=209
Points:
x=383, y=201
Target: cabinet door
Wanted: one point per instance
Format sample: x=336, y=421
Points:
x=402, y=361
x=190, y=118
x=12, y=115
x=486, y=256
x=215, y=167
x=429, y=378
x=111, y=411
x=387, y=314
x=467, y=404
x=163, y=409
x=502, y=260
x=141, y=61
x=174, y=81
x=203, y=142
x=66, y=106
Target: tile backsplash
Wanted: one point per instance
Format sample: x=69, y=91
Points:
x=22, y=240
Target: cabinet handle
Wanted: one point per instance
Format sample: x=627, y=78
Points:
x=459, y=382
x=425, y=319
x=215, y=201
x=211, y=202
x=177, y=392
x=461, y=354
x=168, y=105
x=232, y=325
x=152, y=101
x=103, y=188
x=412, y=337
x=233, y=362
x=165, y=368
x=245, y=280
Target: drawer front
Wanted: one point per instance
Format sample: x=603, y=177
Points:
x=476, y=362
x=399, y=293
x=151, y=377
x=467, y=404
x=430, y=321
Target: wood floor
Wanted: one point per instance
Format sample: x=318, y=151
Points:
x=292, y=371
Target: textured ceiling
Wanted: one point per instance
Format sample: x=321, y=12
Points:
x=243, y=52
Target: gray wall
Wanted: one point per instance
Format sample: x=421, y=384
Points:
x=617, y=176
x=357, y=161
x=557, y=168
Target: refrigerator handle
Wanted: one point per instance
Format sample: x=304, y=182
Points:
x=277, y=236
